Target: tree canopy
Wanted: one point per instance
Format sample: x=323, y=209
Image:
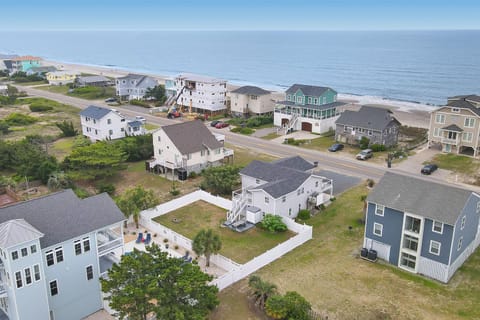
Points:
x=146, y=283
x=222, y=179
x=158, y=93
x=206, y=243
x=135, y=200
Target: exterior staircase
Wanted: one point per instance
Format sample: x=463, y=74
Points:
x=239, y=203
x=292, y=122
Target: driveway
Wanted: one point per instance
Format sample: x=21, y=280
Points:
x=414, y=164
x=341, y=182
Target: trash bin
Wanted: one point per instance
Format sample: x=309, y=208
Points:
x=389, y=163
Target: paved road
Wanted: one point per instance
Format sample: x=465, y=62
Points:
x=326, y=161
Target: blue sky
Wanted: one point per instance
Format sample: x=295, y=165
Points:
x=240, y=15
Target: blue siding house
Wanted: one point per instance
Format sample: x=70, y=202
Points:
x=53, y=250
x=422, y=226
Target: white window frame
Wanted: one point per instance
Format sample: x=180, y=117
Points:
x=436, y=132
x=467, y=136
x=50, y=252
x=460, y=243
x=15, y=255
x=440, y=118
x=464, y=220
x=377, y=226
x=382, y=212
x=86, y=240
x=35, y=273
x=50, y=287
x=284, y=198
x=267, y=200
x=29, y=276
x=33, y=249
x=16, y=279
x=469, y=122
x=24, y=252
x=79, y=244
x=59, y=249
x=432, y=243
x=86, y=271
x=441, y=227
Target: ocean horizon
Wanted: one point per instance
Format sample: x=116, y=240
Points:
x=415, y=66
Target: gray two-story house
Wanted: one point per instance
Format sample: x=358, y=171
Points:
x=377, y=124
x=422, y=226
x=133, y=86
x=53, y=250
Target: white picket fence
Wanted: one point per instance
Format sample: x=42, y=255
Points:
x=235, y=271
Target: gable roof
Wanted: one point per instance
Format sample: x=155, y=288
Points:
x=312, y=106
x=62, y=216
x=251, y=90
x=191, y=136
x=280, y=178
x=435, y=201
x=453, y=127
x=17, y=231
x=463, y=104
x=295, y=162
x=26, y=58
x=134, y=123
x=367, y=117
x=42, y=69
x=95, y=112
x=89, y=79
x=131, y=76
x=314, y=91
x=471, y=97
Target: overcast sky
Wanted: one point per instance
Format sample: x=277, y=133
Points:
x=240, y=15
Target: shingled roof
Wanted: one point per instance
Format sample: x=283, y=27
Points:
x=313, y=91
x=251, y=90
x=367, y=117
x=463, y=104
x=17, y=231
x=191, y=137
x=435, y=201
x=282, y=176
x=95, y=112
x=62, y=216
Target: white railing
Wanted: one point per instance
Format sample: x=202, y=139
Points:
x=292, y=121
x=450, y=141
x=109, y=246
x=227, y=152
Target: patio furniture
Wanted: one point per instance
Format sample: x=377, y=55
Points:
x=148, y=239
x=139, y=238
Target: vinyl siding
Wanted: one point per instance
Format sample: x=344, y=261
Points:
x=445, y=239
x=470, y=230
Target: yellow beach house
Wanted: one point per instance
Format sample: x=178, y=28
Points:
x=58, y=78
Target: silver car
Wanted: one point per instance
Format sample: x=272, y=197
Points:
x=364, y=154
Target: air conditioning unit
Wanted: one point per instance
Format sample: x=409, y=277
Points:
x=372, y=255
x=364, y=253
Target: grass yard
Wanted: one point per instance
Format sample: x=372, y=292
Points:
x=240, y=247
x=90, y=93
x=329, y=274
x=243, y=156
x=150, y=126
x=62, y=148
x=56, y=89
x=271, y=136
x=458, y=163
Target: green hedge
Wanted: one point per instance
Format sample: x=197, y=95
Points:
x=18, y=119
x=246, y=131
x=39, y=107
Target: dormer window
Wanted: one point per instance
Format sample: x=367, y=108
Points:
x=455, y=110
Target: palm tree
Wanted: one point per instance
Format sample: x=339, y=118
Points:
x=261, y=290
x=206, y=243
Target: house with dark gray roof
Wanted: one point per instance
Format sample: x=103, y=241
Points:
x=376, y=124
x=93, y=81
x=308, y=108
x=100, y=124
x=422, y=226
x=187, y=147
x=53, y=250
x=251, y=101
x=134, y=86
x=455, y=128
x=283, y=187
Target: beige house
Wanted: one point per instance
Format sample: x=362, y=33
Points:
x=187, y=147
x=456, y=126
x=250, y=100
x=58, y=78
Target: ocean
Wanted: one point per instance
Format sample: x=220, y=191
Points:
x=418, y=66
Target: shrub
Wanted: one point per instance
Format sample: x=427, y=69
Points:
x=165, y=240
x=370, y=183
x=192, y=175
x=303, y=214
x=67, y=128
x=18, y=119
x=364, y=142
x=81, y=193
x=140, y=103
x=246, y=131
x=106, y=187
x=38, y=107
x=273, y=223
x=377, y=147
x=4, y=128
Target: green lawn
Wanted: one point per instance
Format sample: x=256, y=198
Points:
x=62, y=147
x=243, y=156
x=240, y=247
x=55, y=89
x=458, y=163
x=270, y=136
x=329, y=274
x=150, y=126
x=90, y=93
x=32, y=83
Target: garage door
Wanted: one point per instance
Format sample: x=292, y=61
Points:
x=306, y=126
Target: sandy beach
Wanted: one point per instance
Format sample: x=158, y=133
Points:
x=408, y=113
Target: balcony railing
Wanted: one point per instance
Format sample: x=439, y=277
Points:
x=451, y=141
x=108, y=240
x=227, y=152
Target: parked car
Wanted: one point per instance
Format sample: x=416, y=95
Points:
x=110, y=100
x=214, y=123
x=364, y=154
x=221, y=125
x=429, y=168
x=336, y=147
x=141, y=119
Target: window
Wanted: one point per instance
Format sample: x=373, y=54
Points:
x=202, y=153
x=435, y=247
x=14, y=255
x=478, y=207
x=460, y=242
x=18, y=279
x=33, y=248
x=159, y=139
x=89, y=273
x=189, y=156
x=436, y=132
x=440, y=118
x=284, y=198
x=412, y=224
x=159, y=151
x=28, y=276
x=267, y=199
x=53, y=288
x=310, y=100
x=378, y=229
x=50, y=259
x=24, y=252
x=469, y=122
x=290, y=211
x=408, y=260
x=299, y=100
x=110, y=132
x=437, y=227
x=379, y=210
x=59, y=254
x=467, y=136
x=464, y=219
x=316, y=184
x=109, y=121
x=315, y=100
x=36, y=272
x=410, y=243
x=78, y=247
x=96, y=131
x=455, y=110
x=257, y=181
x=299, y=191
x=86, y=244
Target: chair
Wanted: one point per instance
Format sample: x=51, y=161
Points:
x=139, y=238
x=148, y=239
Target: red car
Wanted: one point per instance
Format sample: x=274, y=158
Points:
x=221, y=125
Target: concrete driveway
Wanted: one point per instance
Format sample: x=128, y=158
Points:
x=415, y=163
